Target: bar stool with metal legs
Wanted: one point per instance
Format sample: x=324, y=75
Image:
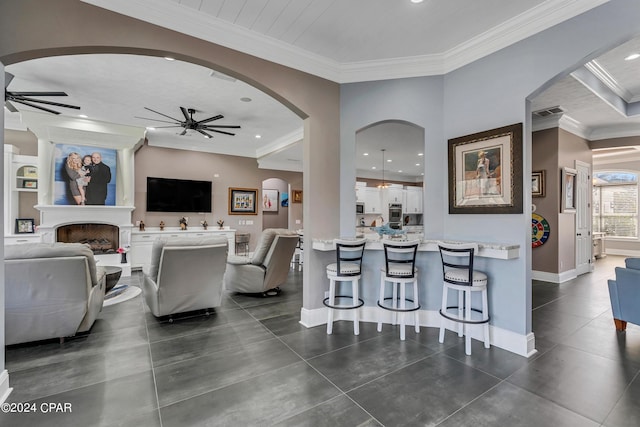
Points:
x=459, y=275
x=347, y=268
x=400, y=269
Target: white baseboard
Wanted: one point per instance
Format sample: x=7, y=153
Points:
x=623, y=252
x=554, y=277
x=5, y=390
x=523, y=345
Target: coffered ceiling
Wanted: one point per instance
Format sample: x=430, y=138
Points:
x=343, y=41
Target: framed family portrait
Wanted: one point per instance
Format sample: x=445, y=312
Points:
x=25, y=225
x=537, y=184
x=485, y=172
x=243, y=201
x=568, y=197
x=269, y=200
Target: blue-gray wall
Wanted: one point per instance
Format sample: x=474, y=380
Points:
x=489, y=93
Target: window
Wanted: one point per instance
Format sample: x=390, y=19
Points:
x=615, y=203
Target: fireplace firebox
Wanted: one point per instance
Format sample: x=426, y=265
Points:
x=102, y=238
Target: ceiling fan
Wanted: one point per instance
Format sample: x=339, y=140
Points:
x=25, y=98
x=189, y=123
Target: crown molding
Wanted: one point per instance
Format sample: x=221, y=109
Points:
x=190, y=21
x=563, y=122
x=281, y=143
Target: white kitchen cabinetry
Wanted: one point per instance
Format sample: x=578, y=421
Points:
x=392, y=195
x=413, y=203
x=372, y=201
x=142, y=242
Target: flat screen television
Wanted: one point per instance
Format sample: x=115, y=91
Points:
x=178, y=195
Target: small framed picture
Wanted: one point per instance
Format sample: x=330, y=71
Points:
x=537, y=184
x=296, y=196
x=25, y=226
x=29, y=183
x=30, y=172
x=568, y=179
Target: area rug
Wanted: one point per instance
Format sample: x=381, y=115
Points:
x=120, y=294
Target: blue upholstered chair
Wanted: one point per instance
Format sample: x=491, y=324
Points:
x=625, y=294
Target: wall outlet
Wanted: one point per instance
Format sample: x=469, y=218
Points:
x=298, y=221
x=249, y=222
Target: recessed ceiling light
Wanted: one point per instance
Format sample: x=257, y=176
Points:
x=400, y=171
x=258, y=136
x=373, y=167
x=632, y=57
x=168, y=58
x=417, y=1
x=420, y=154
x=417, y=164
x=245, y=99
x=389, y=160
x=365, y=154
x=83, y=116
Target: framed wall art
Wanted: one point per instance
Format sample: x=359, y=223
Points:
x=269, y=200
x=243, y=201
x=296, y=196
x=25, y=226
x=568, y=199
x=537, y=184
x=485, y=172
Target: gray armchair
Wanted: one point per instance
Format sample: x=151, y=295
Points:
x=624, y=293
x=185, y=275
x=52, y=290
x=269, y=266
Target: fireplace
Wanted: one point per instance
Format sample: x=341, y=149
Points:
x=102, y=238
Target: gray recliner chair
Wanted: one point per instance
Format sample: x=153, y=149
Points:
x=269, y=266
x=185, y=275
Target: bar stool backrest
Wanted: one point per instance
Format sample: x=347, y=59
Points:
x=400, y=258
x=458, y=256
x=349, y=251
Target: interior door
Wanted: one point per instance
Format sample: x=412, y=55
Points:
x=583, y=218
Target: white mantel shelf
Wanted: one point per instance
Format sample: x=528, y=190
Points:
x=486, y=250
x=177, y=230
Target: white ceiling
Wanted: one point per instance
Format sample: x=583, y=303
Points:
x=344, y=41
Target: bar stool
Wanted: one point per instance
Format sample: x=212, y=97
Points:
x=347, y=268
x=459, y=275
x=298, y=254
x=242, y=242
x=400, y=269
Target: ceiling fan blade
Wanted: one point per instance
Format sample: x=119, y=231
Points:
x=10, y=107
x=204, y=133
x=36, y=106
x=158, y=112
x=185, y=113
x=210, y=119
x=166, y=127
x=221, y=131
x=210, y=127
x=155, y=120
x=38, y=93
x=42, y=101
x=184, y=132
x=7, y=79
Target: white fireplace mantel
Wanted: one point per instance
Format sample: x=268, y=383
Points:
x=54, y=216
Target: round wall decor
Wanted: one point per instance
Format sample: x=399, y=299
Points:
x=539, y=230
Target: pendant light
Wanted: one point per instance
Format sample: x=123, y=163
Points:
x=384, y=184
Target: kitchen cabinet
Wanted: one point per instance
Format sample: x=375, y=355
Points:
x=372, y=201
x=413, y=200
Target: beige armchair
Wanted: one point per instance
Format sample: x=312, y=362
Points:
x=185, y=275
x=267, y=268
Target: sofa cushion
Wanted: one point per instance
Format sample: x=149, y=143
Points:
x=160, y=243
x=53, y=250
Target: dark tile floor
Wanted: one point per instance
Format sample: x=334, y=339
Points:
x=251, y=363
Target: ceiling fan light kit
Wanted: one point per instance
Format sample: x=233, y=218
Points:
x=189, y=123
